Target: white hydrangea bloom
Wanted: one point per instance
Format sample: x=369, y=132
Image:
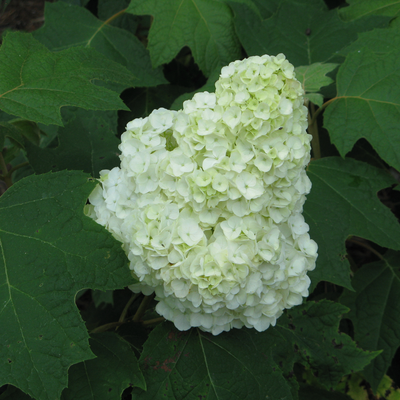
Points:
x=207, y=201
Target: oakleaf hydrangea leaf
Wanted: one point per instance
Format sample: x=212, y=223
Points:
x=313, y=78
x=69, y=26
x=88, y=142
x=228, y=366
x=360, y=8
x=367, y=104
x=104, y=378
x=380, y=41
x=265, y=8
x=49, y=251
x=203, y=25
x=28, y=129
x=177, y=363
x=377, y=327
x=316, y=98
x=309, y=334
x=318, y=36
x=106, y=9
x=35, y=83
x=343, y=202
x=12, y=132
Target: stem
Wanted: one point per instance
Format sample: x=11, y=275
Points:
x=6, y=176
x=313, y=130
x=142, y=308
x=322, y=108
x=18, y=167
x=125, y=310
x=106, y=327
x=153, y=321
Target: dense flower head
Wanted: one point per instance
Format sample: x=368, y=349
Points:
x=208, y=200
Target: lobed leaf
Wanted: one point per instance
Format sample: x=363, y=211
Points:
x=375, y=312
x=8, y=130
x=204, y=25
x=49, y=251
x=88, y=142
x=343, y=202
x=367, y=104
x=380, y=41
x=313, y=78
x=245, y=364
x=360, y=8
x=107, y=9
x=318, y=36
x=69, y=26
x=35, y=83
x=196, y=364
x=309, y=334
x=114, y=369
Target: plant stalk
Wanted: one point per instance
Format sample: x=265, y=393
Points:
x=142, y=308
x=313, y=130
x=153, y=321
x=125, y=310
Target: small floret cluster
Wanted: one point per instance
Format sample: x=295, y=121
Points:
x=208, y=200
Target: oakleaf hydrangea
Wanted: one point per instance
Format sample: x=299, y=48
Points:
x=208, y=200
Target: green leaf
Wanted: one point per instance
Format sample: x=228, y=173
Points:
x=35, y=83
x=313, y=78
x=309, y=334
x=246, y=364
x=315, y=98
x=265, y=8
x=28, y=129
x=49, y=251
x=361, y=8
x=12, y=132
x=343, y=202
x=194, y=364
x=88, y=142
x=380, y=41
x=375, y=312
x=318, y=36
x=107, y=9
x=367, y=104
x=104, y=378
x=204, y=25
x=68, y=26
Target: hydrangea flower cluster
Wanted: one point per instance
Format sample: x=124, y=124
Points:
x=208, y=200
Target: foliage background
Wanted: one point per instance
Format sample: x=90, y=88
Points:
x=69, y=329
